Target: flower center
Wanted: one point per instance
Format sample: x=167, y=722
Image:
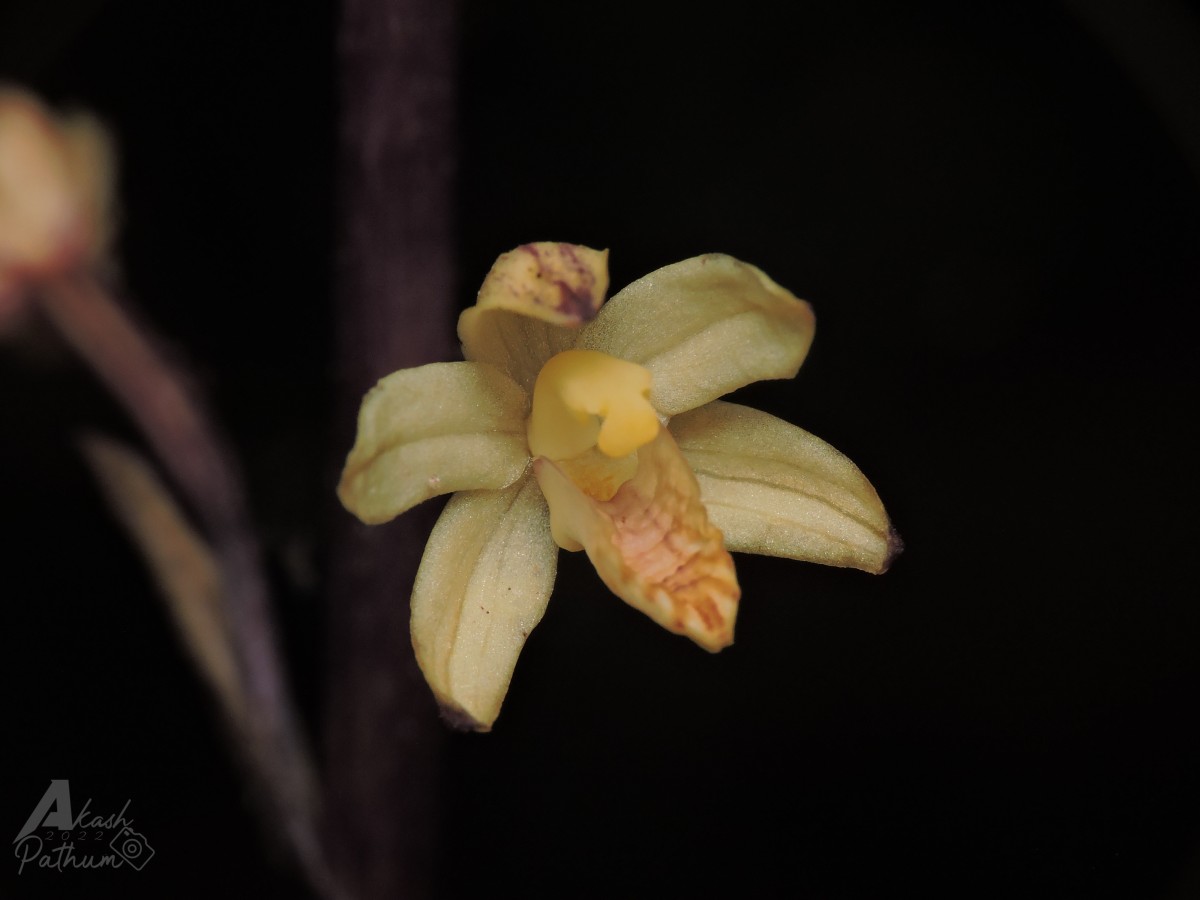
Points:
x=584, y=399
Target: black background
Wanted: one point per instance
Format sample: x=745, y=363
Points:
x=996, y=217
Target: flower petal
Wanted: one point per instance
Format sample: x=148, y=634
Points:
x=483, y=585
x=703, y=327
x=652, y=543
x=531, y=303
x=775, y=489
x=431, y=430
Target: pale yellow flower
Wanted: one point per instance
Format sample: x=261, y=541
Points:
x=55, y=192
x=583, y=426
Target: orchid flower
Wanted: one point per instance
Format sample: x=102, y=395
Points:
x=55, y=193
x=576, y=424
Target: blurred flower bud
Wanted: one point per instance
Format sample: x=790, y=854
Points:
x=55, y=194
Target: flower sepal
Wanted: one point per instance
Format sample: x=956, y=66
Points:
x=776, y=490
x=482, y=586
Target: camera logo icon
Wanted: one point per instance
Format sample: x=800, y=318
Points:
x=132, y=847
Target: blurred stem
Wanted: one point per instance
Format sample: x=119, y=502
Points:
x=395, y=305
x=154, y=392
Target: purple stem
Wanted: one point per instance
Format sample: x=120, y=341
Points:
x=395, y=305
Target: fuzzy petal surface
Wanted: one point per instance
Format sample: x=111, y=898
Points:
x=432, y=430
x=703, y=327
x=775, y=489
x=483, y=585
x=651, y=543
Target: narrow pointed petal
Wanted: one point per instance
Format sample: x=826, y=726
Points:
x=703, y=327
x=531, y=306
x=775, y=489
x=652, y=543
x=483, y=585
x=432, y=430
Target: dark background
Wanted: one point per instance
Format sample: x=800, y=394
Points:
x=994, y=211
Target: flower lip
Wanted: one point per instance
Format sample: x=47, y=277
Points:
x=651, y=542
